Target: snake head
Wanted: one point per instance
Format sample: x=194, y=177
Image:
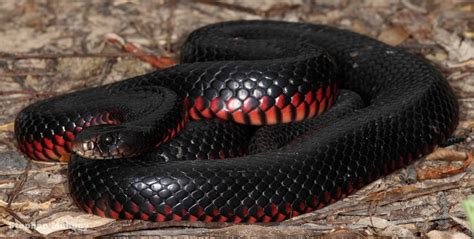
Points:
x=108, y=142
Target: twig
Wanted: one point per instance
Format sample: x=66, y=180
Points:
x=19, y=185
x=19, y=55
x=274, y=10
x=408, y=4
x=106, y=70
x=20, y=225
x=170, y=25
x=458, y=75
x=159, y=62
x=14, y=215
x=23, y=223
x=55, y=167
x=127, y=226
x=14, y=193
x=13, y=74
x=278, y=8
x=229, y=6
x=461, y=222
x=468, y=63
x=418, y=219
x=7, y=181
x=28, y=92
x=396, y=197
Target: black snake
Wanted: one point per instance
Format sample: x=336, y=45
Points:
x=249, y=72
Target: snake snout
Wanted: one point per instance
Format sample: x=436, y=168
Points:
x=87, y=147
x=107, y=142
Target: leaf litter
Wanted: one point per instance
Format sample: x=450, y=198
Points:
x=51, y=47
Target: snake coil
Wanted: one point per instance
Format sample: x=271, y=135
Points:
x=252, y=72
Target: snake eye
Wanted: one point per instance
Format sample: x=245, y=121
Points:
x=107, y=140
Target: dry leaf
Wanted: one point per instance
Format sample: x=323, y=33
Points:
x=68, y=222
x=458, y=49
x=8, y=127
x=387, y=227
x=376, y=222
x=415, y=24
x=396, y=192
x=344, y=233
x=28, y=206
x=394, y=36
x=448, y=170
x=446, y=155
x=446, y=235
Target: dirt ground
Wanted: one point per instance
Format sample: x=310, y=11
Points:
x=51, y=47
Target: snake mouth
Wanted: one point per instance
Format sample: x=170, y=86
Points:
x=84, y=149
x=91, y=149
x=108, y=142
x=95, y=149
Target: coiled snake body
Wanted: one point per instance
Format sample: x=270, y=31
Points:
x=249, y=72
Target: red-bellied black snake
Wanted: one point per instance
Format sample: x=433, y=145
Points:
x=248, y=72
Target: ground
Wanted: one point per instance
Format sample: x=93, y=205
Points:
x=51, y=47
